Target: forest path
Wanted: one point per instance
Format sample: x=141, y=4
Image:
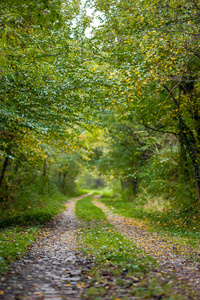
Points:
x=53, y=268
x=174, y=261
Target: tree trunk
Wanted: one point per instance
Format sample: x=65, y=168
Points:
x=188, y=138
x=122, y=184
x=4, y=169
x=59, y=179
x=44, y=176
x=190, y=145
x=45, y=168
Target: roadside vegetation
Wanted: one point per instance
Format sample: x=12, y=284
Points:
x=177, y=226
x=14, y=241
x=20, y=224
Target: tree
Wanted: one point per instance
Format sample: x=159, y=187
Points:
x=38, y=103
x=155, y=48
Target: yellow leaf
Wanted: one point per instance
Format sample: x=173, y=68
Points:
x=67, y=284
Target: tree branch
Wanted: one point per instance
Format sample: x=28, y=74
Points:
x=158, y=130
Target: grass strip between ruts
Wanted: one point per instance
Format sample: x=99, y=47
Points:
x=117, y=259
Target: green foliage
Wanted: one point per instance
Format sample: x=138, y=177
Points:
x=90, y=179
x=37, y=109
x=165, y=176
x=64, y=173
x=153, y=59
x=26, y=101
x=31, y=208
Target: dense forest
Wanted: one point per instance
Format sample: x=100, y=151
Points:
x=122, y=100
x=99, y=149
x=86, y=106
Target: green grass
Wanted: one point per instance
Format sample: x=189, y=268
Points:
x=180, y=226
x=14, y=242
x=101, y=192
x=87, y=212
x=35, y=211
x=107, y=244
x=20, y=222
x=116, y=258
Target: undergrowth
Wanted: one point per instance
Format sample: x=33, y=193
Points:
x=34, y=211
x=180, y=224
x=20, y=221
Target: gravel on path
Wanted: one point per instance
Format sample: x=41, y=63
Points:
x=53, y=267
x=173, y=261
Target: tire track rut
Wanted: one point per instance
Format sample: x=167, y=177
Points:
x=172, y=260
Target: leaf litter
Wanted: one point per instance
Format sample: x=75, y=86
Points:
x=177, y=264
x=55, y=268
